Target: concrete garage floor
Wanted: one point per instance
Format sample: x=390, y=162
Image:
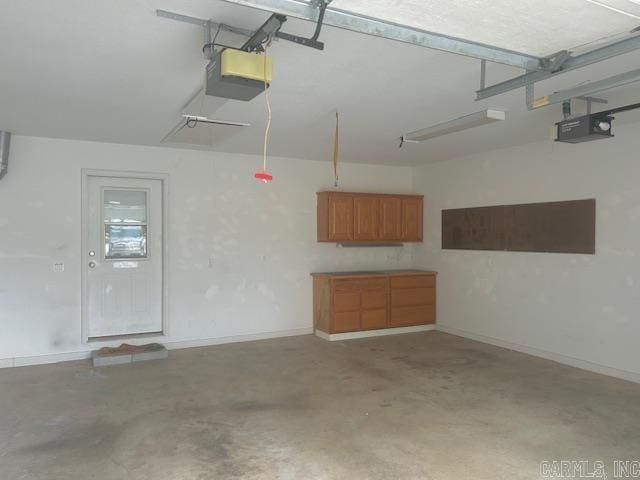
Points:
x=417, y=406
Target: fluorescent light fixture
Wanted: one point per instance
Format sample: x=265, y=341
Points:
x=463, y=123
x=200, y=119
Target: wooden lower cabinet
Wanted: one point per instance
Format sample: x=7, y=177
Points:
x=351, y=302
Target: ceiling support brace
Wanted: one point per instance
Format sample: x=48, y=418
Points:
x=591, y=100
x=569, y=62
x=372, y=26
x=555, y=62
x=209, y=27
x=586, y=90
x=483, y=73
x=203, y=22
x=5, y=143
x=270, y=29
x=312, y=42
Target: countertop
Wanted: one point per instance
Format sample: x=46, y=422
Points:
x=373, y=273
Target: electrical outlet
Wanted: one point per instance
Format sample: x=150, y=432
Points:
x=58, y=267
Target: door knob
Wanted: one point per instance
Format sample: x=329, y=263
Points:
x=92, y=264
x=92, y=253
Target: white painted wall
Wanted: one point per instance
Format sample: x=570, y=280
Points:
x=240, y=252
x=568, y=307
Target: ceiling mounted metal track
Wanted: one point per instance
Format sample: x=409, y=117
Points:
x=401, y=33
x=202, y=22
x=588, y=89
x=570, y=63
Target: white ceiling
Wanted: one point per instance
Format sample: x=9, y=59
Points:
x=115, y=72
x=536, y=27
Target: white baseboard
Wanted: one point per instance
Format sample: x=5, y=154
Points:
x=171, y=345
x=174, y=345
x=44, y=359
x=332, y=337
x=537, y=352
x=179, y=344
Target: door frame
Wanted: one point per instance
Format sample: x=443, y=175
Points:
x=84, y=257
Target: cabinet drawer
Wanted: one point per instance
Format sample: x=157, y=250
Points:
x=374, y=299
x=373, y=319
x=374, y=284
x=346, y=322
x=409, y=316
x=358, y=285
x=346, y=286
x=413, y=281
x=346, y=302
x=412, y=296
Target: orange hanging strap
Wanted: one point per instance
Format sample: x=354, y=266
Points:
x=335, y=153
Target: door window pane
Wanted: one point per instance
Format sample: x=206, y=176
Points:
x=125, y=223
x=125, y=206
x=125, y=241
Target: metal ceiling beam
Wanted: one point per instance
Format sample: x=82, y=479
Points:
x=203, y=22
x=380, y=28
x=588, y=89
x=573, y=62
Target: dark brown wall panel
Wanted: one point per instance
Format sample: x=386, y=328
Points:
x=480, y=228
x=558, y=227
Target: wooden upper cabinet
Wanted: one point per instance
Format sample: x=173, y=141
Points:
x=390, y=218
x=346, y=217
x=365, y=212
x=412, y=219
x=335, y=217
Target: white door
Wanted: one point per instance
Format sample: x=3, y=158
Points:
x=123, y=256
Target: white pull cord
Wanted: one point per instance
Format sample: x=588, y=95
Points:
x=266, y=94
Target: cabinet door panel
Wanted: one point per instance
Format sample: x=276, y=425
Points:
x=371, y=300
x=412, y=219
x=374, y=319
x=365, y=212
x=390, y=218
x=346, y=302
x=341, y=217
x=409, y=316
x=346, y=322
